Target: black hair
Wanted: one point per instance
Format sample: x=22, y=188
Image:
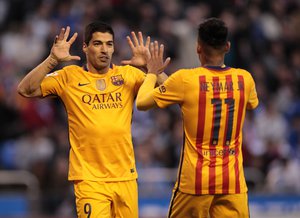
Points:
x=213, y=32
x=96, y=26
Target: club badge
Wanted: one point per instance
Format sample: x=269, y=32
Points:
x=117, y=80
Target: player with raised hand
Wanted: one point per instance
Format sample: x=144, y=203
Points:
x=213, y=99
x=99, y=99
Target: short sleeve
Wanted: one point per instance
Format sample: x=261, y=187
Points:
x=54, y=83
x=139, y=79
x=253, y=99
x=171, y=92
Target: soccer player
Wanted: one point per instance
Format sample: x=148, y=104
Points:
x=99, y=99
x=213, y=99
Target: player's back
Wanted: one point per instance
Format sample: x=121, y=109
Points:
x=213, y=105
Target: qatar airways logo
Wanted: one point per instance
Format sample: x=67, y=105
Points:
x=103, y=101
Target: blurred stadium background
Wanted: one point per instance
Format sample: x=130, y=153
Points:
x=265, y=36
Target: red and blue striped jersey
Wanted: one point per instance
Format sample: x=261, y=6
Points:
x=213, y=102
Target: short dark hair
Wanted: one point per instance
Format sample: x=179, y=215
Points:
x=213, y=32
x=96, y=26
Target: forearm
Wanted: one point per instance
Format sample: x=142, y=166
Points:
x=144, y=100
x=30, y=85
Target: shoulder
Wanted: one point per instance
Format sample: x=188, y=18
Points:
x=72, y=68
x=181, y=72
x=126, y=68
x=66, y=70
x=185, y=72
x=67, y=73
x=243, y=72
x=246, y=75
x=129, y=72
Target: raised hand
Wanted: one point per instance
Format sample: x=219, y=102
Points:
x=155, y=64
x=60, y=50
x=140, y=52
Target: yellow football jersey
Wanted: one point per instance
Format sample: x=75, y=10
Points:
x=99, y=109
x=213, y=102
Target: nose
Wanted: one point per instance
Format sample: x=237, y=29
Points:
x=104, y=48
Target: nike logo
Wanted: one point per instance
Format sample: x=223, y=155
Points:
x=83, y=84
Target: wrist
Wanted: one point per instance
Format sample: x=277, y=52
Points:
x=153, y=71
x=52, y=61
x=149, y=74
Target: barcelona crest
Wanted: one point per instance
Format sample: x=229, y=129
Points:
x=100, y=84
x=117, y=80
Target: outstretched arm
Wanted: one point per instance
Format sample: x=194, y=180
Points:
x=60, y=52
x=155, y=66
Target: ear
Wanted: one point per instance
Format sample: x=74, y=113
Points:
x=84, y=47
x=199, y=48
x=227, y=47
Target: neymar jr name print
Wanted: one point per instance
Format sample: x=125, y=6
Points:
x=221, y=86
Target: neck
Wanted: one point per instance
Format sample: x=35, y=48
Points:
x=213, y=64
x=92, y=69
x=212, y=61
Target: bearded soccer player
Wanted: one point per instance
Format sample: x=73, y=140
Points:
x=99, y=99
x=213, y=99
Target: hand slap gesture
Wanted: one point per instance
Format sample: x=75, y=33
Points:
x=140, y=52
x=155, y=64
x=60, y=50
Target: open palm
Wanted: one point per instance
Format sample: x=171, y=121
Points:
x=156, y=64
x=140, y=52
x=61, y=47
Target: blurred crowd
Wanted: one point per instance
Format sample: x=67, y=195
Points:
x=264, y=35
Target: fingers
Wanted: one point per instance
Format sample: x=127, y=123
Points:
x=75, y=58
x=155, y=50
x=166, y=63
x=130, y=42
x=157, y=53
x=73, y=38
x=64, y=34
x=61, y=34
x=135, y=40
x=67, y=32
x=151, y=49
x=161, y=50
x=147, y=42
x=141, y=40
x=56, y=38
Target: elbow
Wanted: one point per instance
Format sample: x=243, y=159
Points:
x=21, y=91
x=141, y=107
x=24, y=92
x=252, y=107
x=144, y=102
